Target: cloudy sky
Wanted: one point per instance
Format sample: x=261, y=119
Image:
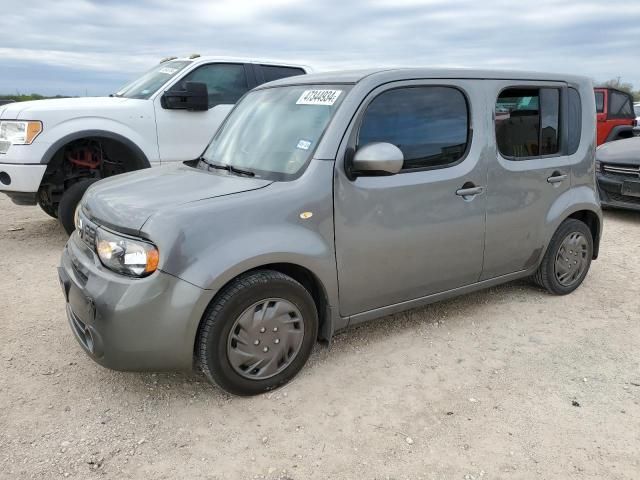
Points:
x=78, y=47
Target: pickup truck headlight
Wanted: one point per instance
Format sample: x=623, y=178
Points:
x=15, y=132
x=135, y=258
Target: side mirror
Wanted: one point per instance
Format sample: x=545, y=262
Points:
x=194, y=97
x=376, y=159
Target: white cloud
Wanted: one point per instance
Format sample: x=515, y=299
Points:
x=84, y=40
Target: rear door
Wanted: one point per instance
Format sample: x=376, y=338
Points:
x=530, y=172
x=183, y=134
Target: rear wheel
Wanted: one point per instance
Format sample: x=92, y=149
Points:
x=567, y=260
x=258, y=333
x=69, y=203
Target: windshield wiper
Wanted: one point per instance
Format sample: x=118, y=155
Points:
x=228, y=168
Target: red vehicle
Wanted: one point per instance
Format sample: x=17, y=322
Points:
x=616, y=118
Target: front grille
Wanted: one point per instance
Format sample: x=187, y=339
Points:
x=629, y=171
x=616, y=197
x=87, y=230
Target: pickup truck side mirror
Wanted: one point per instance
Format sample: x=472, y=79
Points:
x=194, y=97
x=375, y=159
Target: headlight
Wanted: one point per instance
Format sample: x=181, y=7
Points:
x=16, y=132
x=135, y=258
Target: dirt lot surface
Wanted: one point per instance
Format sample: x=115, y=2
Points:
x=507, y=383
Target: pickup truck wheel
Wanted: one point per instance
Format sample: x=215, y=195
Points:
x=49, y=209
x=258, y=333
x=567, y=259
x=69, y=202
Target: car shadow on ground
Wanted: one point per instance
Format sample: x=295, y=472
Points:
x=457, y=314
x=627, y=216
x=45, y=234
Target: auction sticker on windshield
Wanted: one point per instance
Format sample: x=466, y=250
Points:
x=318, y=97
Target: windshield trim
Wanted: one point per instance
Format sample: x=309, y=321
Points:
x=281, y=176
x=162, y=88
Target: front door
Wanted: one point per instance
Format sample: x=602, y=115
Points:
x=421, y=231
x=183, y=134
x=530, y=171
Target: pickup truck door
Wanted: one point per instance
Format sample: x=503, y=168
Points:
x=183, y=134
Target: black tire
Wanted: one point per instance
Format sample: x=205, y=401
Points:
x=69, y=202
x=546, y=276
x=220, y=317
x=51, y=210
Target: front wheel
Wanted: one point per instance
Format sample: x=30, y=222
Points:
x=69, y=203
x=567, y=260
x=258, y=333
x=48, y=208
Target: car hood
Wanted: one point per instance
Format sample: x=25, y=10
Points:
x=623, y=152
x=125, y=202
x=30, y=110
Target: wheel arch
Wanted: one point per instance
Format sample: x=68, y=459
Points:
x=580, y=203
x=620, y=131
x=55, y=147
x=302, y=275
x=591, y=219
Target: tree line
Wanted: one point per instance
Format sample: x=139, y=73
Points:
x=620, y=85
x=26, y=97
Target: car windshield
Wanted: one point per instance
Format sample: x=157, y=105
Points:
x=149, y=83
x=273, y=132
x=636, y=108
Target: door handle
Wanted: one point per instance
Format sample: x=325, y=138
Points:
x=469, y=191
x=557, y=177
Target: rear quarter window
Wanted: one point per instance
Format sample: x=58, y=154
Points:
x=620, y=105
x=274, y=72
x=575, y=120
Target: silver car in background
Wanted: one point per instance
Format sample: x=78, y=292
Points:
x=618, y=173
x=328, y=200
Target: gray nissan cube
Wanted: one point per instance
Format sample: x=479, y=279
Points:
x=328, y=200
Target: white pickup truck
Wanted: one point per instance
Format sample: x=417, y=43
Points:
x=52, y=150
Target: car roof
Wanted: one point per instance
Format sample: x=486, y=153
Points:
x=260, y=61
x=395, y=74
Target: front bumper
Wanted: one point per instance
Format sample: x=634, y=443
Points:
x=130, y=324
x=611, y=192
x=18, y=178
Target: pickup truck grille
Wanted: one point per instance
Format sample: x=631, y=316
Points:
x=616, y=197
x=630, y=171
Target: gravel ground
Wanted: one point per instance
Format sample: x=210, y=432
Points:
x=506, y=383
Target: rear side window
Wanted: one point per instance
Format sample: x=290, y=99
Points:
x=599, y=102
x=620, y=105
x=226, y=82
x=429, y=124
x=527, y=122
x=575, y=120
x=273, y=72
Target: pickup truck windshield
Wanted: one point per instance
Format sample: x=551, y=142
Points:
x=273, y=132
x=150, y=82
